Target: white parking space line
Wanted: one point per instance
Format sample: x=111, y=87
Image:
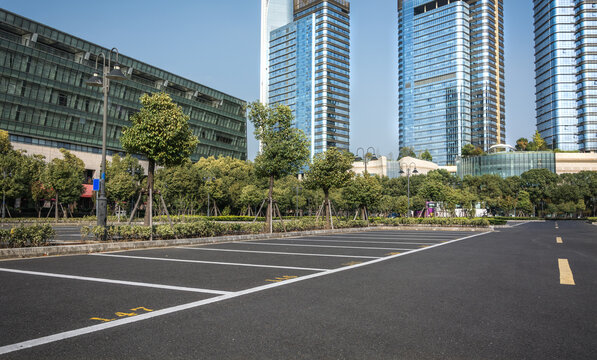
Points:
x=325, y=246
x=279, y=253
x=119, y=282
x=94, y=328
x=358, y=241
x=208, y=262
x=431, y=237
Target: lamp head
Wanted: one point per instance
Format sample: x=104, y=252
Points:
x=95, y=80
x=415, y=171
x=116, y=73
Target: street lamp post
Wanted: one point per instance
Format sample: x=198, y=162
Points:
x=104, y=82
x=206, y=179
x=366, y=158
x=408, y=172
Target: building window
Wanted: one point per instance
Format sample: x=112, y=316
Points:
x=62, y=99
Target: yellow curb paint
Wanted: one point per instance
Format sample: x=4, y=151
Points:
x=559, y=240
x=566, y=277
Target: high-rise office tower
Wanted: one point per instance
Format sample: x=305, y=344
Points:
x=566, y=73
x=309, y=70
x=450, y=76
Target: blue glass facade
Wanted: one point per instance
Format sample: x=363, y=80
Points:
x=506, y=164
x=450, y=64
x=274, y=14
x=309, y=71
x=585, y=16
x=555, y=73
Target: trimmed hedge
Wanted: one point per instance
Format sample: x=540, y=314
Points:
x=592, y=219
x=441, y=221
x=209, y=228
x=25, y=236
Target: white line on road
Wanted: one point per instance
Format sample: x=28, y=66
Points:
x=395, y=236
x=94, y=328
x=325, y=246
x=359, y=242
x=119, y=282
x=209, y=262
x=278, y=253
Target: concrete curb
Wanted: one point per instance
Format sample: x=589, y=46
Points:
x=131, y=245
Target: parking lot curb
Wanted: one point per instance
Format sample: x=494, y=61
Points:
x=40, y=251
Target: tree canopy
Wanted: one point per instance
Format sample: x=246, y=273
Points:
x=284, y=148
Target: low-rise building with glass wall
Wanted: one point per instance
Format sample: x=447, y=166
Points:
x=45, y=103
x=506, y=164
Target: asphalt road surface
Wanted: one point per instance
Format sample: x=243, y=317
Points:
x=525, y=292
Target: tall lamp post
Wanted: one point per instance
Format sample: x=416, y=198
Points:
x=207, y=179
x=408, y=167
x=104, y=82
x=366, y=158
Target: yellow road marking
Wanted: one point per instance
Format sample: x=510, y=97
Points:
x=123, y=314
x=559, y=240
x=424, y=246
x=393, y=253
x=278, y=279
x=352, y=263
x=141, y=308
x=101, y=319
x=566, y=277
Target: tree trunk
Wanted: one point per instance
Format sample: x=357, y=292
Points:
x=326, y=193
x=56, y=209
x=269, y=216
x=149, y=207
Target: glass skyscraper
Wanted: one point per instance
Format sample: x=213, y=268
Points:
x=451, y=78
x=555, y=73
x=309, y=70
x=566, y=73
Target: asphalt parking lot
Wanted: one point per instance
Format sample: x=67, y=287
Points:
x=252, y=299
x=45, y=296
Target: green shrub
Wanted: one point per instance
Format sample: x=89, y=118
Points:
x=440, y=221
x=21, y=236
x=592, y=219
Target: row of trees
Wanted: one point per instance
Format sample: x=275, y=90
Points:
x=29, y=177
x=230, y=186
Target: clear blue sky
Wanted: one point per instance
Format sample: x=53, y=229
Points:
x=216, y=43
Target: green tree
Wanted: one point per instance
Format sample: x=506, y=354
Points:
x=232, y=176
x=521, y=144
x=121, y=182
x=471, y=150
x=160, y=132
x=330, y=169
x=540, y=144
x=363, y=192
x=524, y=204
x=537, y=182
x=406, y=151
x=65, y=178
x=5, y=146
x=250, y=198
x=425, y=155
x=284, y=149
x=180, y=187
